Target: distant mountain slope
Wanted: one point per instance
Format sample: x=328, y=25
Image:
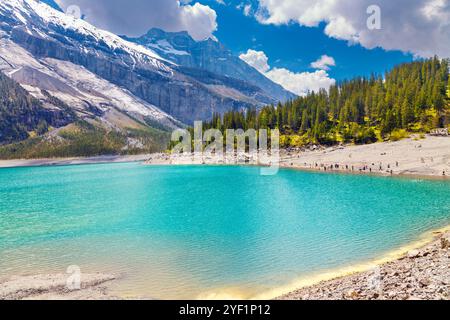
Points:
x=20, y=113
x=211, y=56
x=104, y=71
x=86, y=93
x=48, y=127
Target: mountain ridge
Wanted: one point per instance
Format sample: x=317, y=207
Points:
x=49, y=34
x=209, y=55
x=108, y=82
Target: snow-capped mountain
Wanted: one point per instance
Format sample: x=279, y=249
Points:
x=86, y=67
x=212, y=56
x=39, y=21
x=44, y=49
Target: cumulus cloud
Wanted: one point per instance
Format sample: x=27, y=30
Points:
x=136, y=17
x=299, y=83
x=421, y=27
x=324, y=63
x=256, y=59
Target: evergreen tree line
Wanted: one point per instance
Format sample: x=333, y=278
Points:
x=413, y=97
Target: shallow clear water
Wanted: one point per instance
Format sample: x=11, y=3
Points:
x=183, y=232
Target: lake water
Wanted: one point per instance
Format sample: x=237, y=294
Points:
x=197, y=231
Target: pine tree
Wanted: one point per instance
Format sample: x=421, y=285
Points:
x=410, y=94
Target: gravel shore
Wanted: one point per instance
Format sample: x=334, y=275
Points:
x=409, y=157
x=422, y=274
x=427, y=157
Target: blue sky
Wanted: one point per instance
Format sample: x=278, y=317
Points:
x=289, y=40
x=295, y=47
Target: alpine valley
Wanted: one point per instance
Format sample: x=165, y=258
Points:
x=71, y=89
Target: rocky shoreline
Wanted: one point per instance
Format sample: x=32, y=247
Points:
x=421, y=274
x=54, y=287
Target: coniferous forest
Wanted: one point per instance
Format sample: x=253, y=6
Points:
x=411, y=98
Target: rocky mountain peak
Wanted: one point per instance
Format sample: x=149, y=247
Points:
x=212, y=56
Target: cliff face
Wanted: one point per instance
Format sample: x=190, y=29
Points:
x=184, y=92
x=211, y=56
x=20, y=113
x=174, y=93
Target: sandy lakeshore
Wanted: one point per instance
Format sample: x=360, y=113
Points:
x=424, y=157
x=70, y=161
x=416, y=157
x=410, y=157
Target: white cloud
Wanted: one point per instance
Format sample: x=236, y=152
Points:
x=256, y=59
x=324, y=63
x=136, y=17
x=421, y=27
x=299, y=83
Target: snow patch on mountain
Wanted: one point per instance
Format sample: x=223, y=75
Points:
x=28, y=10
x=74, y=85
x=110, y=72
x=167, y=48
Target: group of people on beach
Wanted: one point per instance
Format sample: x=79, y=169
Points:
x=351, y=168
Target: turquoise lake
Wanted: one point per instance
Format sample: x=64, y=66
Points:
x=196, y=231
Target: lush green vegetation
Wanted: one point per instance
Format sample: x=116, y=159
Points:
x=413, y=97
x=28, y=130
x=83, y=139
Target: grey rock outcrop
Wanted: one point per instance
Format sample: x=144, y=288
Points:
x=212, y=56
